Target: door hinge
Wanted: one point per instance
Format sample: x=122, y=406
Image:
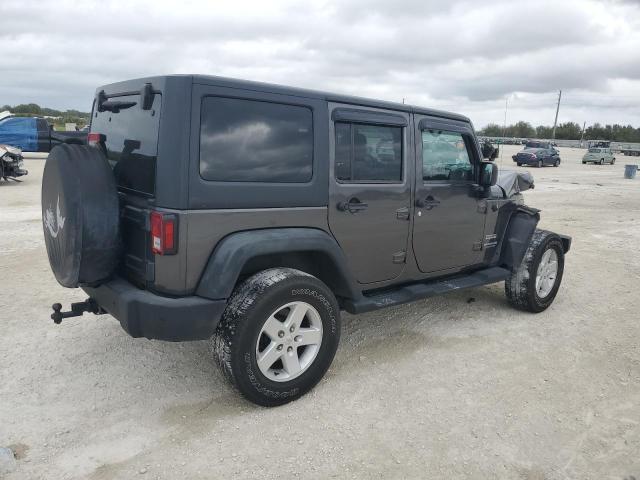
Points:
x=482, y=207
x=399, y=257
x=477, y=246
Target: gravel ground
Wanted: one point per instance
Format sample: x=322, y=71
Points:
x=441, y=388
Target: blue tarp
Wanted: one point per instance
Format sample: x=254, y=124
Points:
x=20, y=132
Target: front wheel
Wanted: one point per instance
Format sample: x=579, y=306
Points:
x=602, y=161
x=539, y=163
x=519, y=164
x=556, y=163
x=613, y=162
x=534, y=286
x=278, y=335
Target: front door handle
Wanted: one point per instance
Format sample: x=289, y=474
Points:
x=352, y=206
x=427, y=203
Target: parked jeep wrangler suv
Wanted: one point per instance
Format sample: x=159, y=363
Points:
x=252, y=213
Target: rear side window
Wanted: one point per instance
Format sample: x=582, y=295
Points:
x=254, y=141
x=131, y=142
x=368, y=153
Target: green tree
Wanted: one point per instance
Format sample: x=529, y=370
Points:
x=543, y=131
x=568, y=131
x=521, y=130
x=492, y=130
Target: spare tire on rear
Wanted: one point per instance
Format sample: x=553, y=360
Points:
x=80, y=215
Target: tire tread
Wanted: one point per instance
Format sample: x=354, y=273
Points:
x=243, y=304
x=517, y=286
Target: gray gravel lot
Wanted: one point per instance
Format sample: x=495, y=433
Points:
x=441, y=388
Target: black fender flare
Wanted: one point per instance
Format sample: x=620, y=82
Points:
x=235, y=251
x=519, y=230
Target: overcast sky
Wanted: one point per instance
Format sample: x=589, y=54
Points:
x=464, y=56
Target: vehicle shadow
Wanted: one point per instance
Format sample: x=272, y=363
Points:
x=184, y=381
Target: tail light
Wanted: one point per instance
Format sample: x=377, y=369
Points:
x=95, y=139
x=164, y=233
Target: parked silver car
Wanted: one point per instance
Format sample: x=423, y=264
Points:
x=599, y=155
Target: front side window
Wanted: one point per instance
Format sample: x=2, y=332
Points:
x=445, y=156
x=368, y=153
x=254, y=141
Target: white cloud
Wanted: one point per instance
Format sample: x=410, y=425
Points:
x=465, y=56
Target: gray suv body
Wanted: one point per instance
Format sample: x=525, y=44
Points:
x=261, y=185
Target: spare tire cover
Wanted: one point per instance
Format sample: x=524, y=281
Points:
x=80, y=215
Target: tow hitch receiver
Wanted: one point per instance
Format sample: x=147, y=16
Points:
x=77, y=310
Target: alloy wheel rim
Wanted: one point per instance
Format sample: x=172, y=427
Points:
x=547, y=273
x=289, y=341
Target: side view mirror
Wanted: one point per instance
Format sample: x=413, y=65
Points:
x=488, y=174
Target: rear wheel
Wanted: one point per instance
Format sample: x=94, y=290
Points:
x=602, y=161
x=613, y=161
x=278, y=335
x=539, y=163
x=534, y=286
x=519, y=164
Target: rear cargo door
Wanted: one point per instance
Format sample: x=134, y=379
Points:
x=130, y=140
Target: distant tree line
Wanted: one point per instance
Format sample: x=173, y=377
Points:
x=565, y=131
x=35, y=110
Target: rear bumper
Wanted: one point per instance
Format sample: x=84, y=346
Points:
x=526, y=160
x=145, y=314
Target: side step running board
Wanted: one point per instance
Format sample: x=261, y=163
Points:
x=415, y=291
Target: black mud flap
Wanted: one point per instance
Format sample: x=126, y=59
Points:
x=521, y=226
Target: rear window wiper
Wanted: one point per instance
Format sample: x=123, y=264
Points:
x=114, y=105
x=146, y=96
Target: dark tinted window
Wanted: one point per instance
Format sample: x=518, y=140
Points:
x=368, y=153
x=253, y=141
x=131, y=141
x=445, y=156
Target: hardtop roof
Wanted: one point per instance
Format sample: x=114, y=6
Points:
x=294, y=91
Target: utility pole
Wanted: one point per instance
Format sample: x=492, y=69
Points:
x=584, y=126
x=555, y=122
x=504, y=128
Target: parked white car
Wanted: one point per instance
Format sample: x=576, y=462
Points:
x=599, y=156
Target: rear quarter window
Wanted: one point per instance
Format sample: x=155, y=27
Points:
x=255, y=141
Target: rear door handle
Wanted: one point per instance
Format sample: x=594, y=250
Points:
x=352, y=206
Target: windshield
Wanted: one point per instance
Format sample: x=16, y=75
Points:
x=594, y=150
x=131, y=142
